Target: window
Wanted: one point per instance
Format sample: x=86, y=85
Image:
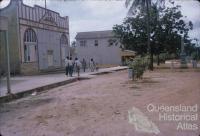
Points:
x=63, y=47
x=96, y=43
x=63, y=39
x=83, y=43
x=30, y=36
x=30, y=46
x=112, y=42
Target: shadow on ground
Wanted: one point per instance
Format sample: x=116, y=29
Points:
x=28, y=103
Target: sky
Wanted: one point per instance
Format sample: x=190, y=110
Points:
x=97, y=15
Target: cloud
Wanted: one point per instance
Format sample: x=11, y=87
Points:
x=4, y=3
x=195, y=33
x=91, y=15
x=92, y=25
x=102, y=8
x=190, y=8
x=101, y=15
x=36, y=2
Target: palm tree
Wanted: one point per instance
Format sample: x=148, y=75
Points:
x=145, y=4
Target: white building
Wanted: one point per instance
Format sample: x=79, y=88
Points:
x=102, y=46
x=38, y=38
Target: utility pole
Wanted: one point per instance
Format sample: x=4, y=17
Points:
x=4, y=29
x=45, y=5
x=8, y=63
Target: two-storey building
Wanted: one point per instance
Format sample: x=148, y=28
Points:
x=38, y=38
x=102, y=46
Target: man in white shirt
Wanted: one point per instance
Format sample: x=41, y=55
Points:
x=92, y=65
x=77, y=66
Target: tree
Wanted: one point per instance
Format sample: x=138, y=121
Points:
x=144, y=4
x=166, y=26
x=73, y=44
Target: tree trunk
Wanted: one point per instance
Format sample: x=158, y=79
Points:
x=158, y=59
x=148, y=35
x=151, y=60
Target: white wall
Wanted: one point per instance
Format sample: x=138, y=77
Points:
x=102, y=54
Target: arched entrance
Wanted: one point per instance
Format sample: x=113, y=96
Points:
x=30, y=50
x=63, y=48
x=30, y=46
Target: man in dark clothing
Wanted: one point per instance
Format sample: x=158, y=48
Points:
x=67, y=66
x=70, y=67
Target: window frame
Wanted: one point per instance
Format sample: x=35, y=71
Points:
x=63, y=39
x=30, y=39
x=96, y=42
x=83, y=43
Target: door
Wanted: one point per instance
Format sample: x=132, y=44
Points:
x=32, y=50
x=63, y=54
x=50, y=58
x=30, y=53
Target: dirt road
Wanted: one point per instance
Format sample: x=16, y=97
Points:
x=108, y=105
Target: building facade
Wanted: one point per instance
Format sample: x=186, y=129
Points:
x=102, y=46
x=38, y=38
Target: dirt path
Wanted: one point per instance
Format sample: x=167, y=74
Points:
x=107, y=105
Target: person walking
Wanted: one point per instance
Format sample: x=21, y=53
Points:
x=194, y=63
x=77, y=66
x=84, y=65
x=70, y=67
x=92, y=65
x=67, y=66
x=97, y=66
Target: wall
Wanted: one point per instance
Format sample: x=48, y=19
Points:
x=48, y=34
x=48, y=28
x=102, y=54
x=2, y=53
x=11, y=13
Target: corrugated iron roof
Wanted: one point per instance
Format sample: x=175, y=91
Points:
x=94, y=34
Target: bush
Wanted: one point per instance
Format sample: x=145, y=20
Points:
x=163, y=57
x=139, y=65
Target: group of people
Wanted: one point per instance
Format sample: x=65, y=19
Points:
x=72, y=66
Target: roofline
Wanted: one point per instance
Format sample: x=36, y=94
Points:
x=34, y=6
x=94, y=31
x=95, y=38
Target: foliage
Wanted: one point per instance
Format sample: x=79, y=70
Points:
x=196, y=54
x=138, y=6
x=112, y=42
x=166, y=25
x=139, y=65
x=165, y=56
x=73, y=44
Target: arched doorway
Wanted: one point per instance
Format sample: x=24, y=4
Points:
x=63, y=48
x=30, y=46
